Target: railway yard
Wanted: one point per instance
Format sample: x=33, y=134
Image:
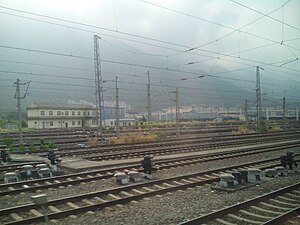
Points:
x=186, y=187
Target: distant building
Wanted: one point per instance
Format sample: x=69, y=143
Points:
x=63, y=116
x=213, y=113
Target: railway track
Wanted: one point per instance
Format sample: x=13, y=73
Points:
x=67, y=137
x=200, y=146
x=188, y=143
x=115, y=152
x=60, y=208
x=77, y=178
x=269, y=209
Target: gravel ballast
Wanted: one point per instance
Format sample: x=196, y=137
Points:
x=168, y=209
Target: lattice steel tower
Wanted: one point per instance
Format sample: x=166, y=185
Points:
x=258, y=95
x=98, y=83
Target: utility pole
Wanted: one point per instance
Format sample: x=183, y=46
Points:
x=177, y=113
x=284, y=113
x=149, y=102
x=18, y=97
x=246, y=112
x=117, y=109
x=258, y=95
x=283, y=109
x=98, y=84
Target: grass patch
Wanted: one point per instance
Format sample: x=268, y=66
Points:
x=132, y=138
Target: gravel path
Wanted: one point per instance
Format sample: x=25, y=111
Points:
x=169, y=209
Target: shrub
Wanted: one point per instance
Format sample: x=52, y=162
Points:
x=32, y=147
x=244, y=129
x=22, y=148
x=262, y=127
x=44, y=147
x=52, y=145
x=7, y=141
x=11, y=148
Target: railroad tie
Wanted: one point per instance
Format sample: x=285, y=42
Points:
x=109, y=173
x=79, y=178
x=187, y=181
x=57, y=181
x=194, y=179
x=265, y=210
x=225, y=222
x=216, y=174
x=276, y=207
x=48, y=183
x=148, y=189
x=36, y=213
x=99, y=199
x=159, y=187
x=114, y=196
x=54, y=209
x=284, y=203
x=15, y=216
x=87, y=202
x=209, y=176
x=292, y=195
x=126, y=193
x=69, y=179
x=255, y=215
x=137, y=191
x=288, y=199
x=177, y=183
x=296, y=192
x=11, y=188
x=244, y=219
x=168, y=185
x=72, y=205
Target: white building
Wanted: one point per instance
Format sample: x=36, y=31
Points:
x=61, y=116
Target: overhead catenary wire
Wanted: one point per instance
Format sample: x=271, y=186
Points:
x=218, y=24
x=98, y=27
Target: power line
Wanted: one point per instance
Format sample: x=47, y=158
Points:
x=215, y=23
x=289, y=25
x=107, y=29
x=139, y=65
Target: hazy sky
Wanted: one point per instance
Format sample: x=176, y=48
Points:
x=223, y=38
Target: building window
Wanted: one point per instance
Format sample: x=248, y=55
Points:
x=42, y=113
x=94, y=112
x=79, y=113
x=84, y=113
x=35, y=122
x=51, y=123
x=88, y=113
x=73, y=113
x=73, y=123
x=50, y=113
x=58, y=113
x=66, y=113
x=94, y=122
x=79, y=122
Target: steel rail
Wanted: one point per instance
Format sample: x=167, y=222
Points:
x=197, y=180
x=64, y=180
x=235, y=208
